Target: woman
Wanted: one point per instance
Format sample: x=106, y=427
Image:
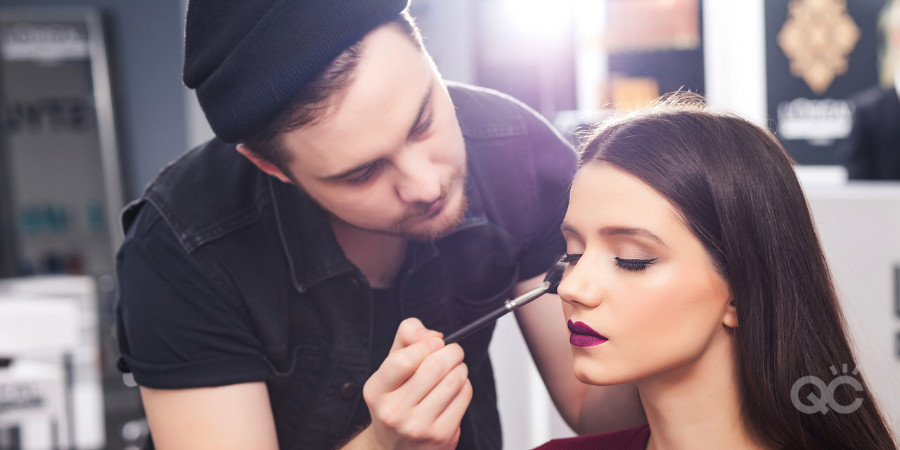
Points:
x=694, y=270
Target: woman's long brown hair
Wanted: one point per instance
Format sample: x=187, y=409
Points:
x=735, y=187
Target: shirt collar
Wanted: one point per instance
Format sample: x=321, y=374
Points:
x=313, y=253
x=897, y=79
x=310, y=248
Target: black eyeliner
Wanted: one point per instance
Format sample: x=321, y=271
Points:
x=634, y=265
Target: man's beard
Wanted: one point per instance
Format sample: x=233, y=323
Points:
x=401, y=227
x=436, y=230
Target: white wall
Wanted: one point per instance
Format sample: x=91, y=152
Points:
x=735, y=57
x=527, y=414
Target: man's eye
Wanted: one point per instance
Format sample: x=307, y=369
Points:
x=423, y=126
x=633, y=264
x=365, y=174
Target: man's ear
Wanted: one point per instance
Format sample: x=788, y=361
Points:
x=730, y=318
x=263, y=165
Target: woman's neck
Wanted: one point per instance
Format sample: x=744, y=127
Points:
x=697, y=406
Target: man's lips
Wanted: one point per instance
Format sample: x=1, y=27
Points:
x=584, y=336
x=435, y=208
x=429, y=212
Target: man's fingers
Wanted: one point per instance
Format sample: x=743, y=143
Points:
x=411, y=331
x=431, y=372
x=421, y=380
x=443, y=394
x=448, y=401
x=452, y=415
x=400, y=365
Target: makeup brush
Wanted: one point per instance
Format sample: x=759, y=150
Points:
x=551, y=282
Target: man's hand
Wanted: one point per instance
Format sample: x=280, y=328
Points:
x=418, y=396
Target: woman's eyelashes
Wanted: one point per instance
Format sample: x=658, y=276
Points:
x=633, y=265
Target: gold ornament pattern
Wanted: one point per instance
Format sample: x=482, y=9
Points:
x=817, y=39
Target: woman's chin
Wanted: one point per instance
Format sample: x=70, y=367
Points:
x=599, y=376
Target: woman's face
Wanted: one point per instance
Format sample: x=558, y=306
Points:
x=640, y=291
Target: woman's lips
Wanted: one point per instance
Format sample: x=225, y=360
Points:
x=584, y=336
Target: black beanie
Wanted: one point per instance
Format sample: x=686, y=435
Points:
x=247, y=58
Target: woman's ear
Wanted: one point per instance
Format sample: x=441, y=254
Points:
x=729, y=319
x=262, y=164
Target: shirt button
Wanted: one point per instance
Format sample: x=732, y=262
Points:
x=349, y=390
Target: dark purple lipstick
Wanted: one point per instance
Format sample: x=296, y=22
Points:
x=584, y=336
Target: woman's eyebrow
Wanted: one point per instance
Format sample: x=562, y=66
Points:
x=631, y=231
x=618, y=231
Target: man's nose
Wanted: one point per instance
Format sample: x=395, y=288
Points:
x=420, y=178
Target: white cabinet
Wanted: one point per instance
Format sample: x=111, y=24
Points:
x=49, y=328
x=859, y=227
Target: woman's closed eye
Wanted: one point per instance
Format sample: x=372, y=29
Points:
x=634, y=265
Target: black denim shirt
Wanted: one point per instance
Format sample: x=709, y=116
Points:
x=229, y=276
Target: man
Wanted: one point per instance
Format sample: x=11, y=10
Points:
x=265, y=275
x=872, y=151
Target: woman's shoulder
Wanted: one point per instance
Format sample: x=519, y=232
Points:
x=630, y=439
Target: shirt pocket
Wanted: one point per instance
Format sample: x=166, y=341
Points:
x=479, y=262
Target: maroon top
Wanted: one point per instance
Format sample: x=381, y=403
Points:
x=630, y=439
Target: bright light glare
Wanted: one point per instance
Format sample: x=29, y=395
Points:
x=542, y=19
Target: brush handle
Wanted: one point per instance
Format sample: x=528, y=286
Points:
x=510, y=305
x=551, y=281
x=476, y=325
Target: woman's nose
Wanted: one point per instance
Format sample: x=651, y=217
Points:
x=580, y=285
